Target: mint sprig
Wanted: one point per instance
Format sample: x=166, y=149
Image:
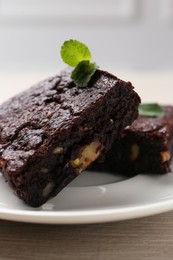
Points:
x=151, y=110
x=83, y=72
x=76, y=54
x=73, y=52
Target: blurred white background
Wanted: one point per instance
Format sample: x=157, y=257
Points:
x=122, y=34
x=131, y=38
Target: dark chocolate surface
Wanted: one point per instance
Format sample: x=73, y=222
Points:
x=150, y=124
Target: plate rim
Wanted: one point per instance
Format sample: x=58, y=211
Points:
x=87, y=216
x=104, y=212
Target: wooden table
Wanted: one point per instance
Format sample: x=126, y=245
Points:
x=148, y=238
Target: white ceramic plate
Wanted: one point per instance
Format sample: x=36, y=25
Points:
x=95, y=197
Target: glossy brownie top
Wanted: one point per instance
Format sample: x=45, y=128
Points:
x=53, y=104
x=151, y=124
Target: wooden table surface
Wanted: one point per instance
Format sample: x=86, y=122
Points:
x=148, y=238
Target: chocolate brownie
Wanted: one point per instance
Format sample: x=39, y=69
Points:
x=54, y=130
x=146, y=147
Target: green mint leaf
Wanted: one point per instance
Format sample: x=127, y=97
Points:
x=151, y=110
x=73, y=52
x=82, y=74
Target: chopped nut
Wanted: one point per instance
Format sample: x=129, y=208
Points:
x=165, y=156
x=44, y=170
x=48, y=189
x=88, y=154
x=134, y=152
x=58, y=150
x=76, y=162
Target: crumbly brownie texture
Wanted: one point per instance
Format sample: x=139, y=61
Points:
x=53, y=131
x=146, y=147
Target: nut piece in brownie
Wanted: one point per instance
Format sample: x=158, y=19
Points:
x=146, y=147
x=51, y=132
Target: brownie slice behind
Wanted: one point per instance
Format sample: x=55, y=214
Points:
x=146, y=147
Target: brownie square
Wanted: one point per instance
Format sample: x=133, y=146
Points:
x=51, y=132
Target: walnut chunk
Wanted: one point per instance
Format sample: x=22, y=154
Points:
x=165, y=156
x=58, y=150
x=44, y=170
x=87, y=154
x=76, y=162
x=134, y=152
x=48, y=189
